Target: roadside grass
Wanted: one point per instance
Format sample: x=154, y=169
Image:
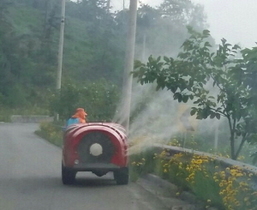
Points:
x=51, y=132
x=225, y=188
x=4, y=116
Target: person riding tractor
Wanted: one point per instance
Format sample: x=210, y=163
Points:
x=78, y=117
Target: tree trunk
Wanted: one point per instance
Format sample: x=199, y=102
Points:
x=232, y=146
x=232, y=137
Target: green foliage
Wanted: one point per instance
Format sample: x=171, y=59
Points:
x=29, y=45
x=99, y=99
x=94, y=48
x=51, y=132
x=141, y=164
x=210, y=181
x=218, y=83
x=157, y=25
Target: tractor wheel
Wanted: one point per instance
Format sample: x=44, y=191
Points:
x=121, y=176
x=68, y=176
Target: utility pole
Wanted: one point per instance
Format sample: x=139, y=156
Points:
x=129, y=63
x=60, y=53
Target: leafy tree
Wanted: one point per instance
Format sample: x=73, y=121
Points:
x=94, y=47
x=146, y=18
x=9, y=61
x=102, y=42
x=66, y=101
x=250, y=68
x=219, y=83
x=176, y=10
x=29, y=45
x=183, y=12
x=162, y=30
x=51, y=22
x=99, y=99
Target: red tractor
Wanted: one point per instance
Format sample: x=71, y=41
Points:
x=96, y=147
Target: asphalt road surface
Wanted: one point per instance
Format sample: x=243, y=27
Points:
x=30, y=179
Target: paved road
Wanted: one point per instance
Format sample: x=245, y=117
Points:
x=30, y=179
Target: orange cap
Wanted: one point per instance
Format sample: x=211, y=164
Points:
x=81, y=110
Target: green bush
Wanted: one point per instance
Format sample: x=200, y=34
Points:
x=99, y=100
x=51, y=132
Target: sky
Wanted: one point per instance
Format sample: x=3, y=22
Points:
x=234, y=20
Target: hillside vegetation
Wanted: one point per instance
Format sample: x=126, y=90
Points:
x=94, y=51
